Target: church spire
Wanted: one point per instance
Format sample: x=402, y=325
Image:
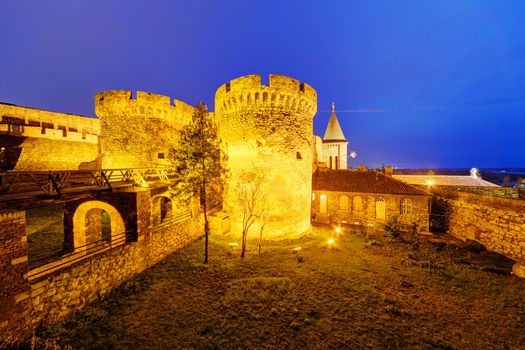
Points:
x=333, y=130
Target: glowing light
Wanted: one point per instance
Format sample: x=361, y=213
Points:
x=331, y=242
x=474, y=173
x=429, y=182
x=353, y=154
x=313, y=196
x=338, y=229
x=296, y=250
x=323, y=196
x=232, y=245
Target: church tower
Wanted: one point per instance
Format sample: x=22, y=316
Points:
x=334, y=144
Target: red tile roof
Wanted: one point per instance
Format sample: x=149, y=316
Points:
x=367, y=181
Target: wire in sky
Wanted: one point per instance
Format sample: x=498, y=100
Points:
x=498, y=101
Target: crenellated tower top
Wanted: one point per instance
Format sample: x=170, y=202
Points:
x=121, y=102
x=282, y=92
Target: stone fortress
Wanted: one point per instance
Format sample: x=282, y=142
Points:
x=268, y=128
x=264, y=128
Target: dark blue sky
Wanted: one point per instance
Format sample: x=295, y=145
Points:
x=430, y=83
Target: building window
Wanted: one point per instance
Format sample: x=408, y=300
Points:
x=313, y=196
x=358, y=203
x=380, y=208
x=343, y=202
x=322, y=203
x=406, y=206
x=161, y=156
x=298, y=155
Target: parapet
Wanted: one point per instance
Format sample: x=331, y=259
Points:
x=281, y=92
x=122, y=102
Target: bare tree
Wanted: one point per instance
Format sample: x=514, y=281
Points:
x=265, y=215
x=250, y=194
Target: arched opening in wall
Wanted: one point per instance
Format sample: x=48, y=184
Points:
x=406, y=206
x=97, y=226
x=161, y=210
x=357, y=203
x=322, y=203
x=97, y=222
x=380, y=208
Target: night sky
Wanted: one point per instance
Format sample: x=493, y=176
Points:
x=415, y=83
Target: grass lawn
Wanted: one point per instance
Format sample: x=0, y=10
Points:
x=45, y=234
x=355, y=295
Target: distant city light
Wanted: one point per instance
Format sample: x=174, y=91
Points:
x=474, y=173
x=338, y=229
x=331, y=242
x=429, y=182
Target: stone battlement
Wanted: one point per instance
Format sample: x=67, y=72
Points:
x=282, y=92
x=36, y=123
x=145, y=103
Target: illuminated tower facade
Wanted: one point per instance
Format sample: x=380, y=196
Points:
x=334, y=144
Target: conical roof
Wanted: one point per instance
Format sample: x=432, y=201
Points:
x=333, y=130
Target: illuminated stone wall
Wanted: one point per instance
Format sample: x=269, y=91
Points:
x=52, y=291
x=497, y=223
x=138, y=132
x=15, y=302
x=34, y=139
x=366, y=214
x=268, y=128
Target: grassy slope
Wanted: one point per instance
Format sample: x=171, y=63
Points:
x=45, y=230
x=352, y=296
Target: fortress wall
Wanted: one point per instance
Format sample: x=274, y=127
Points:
x=26, y=300
x=268, y=129
x=31, y=122
x=34, y=139
x=138, y=132
x=497, y=223
x=43, y=154
x=15, y=302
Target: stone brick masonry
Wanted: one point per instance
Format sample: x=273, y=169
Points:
x=15, y=302
x=497, y=223
x=26, y=301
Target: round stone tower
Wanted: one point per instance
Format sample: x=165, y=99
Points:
x=268, y=129
x=138, y=132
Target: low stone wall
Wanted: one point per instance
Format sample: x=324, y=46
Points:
x=15, y=302
x=497, y=223
x=29, y=297
x=59, y=294
x=506, y=192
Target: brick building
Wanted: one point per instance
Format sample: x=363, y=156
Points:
x=367, y=197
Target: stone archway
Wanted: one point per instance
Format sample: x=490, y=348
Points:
x=83, y=217
x=162, y=208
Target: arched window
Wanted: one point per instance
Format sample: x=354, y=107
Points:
x=406, y=206
x=380, y=208
x=322, y=203
x=358, y=203
x=343, y=203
